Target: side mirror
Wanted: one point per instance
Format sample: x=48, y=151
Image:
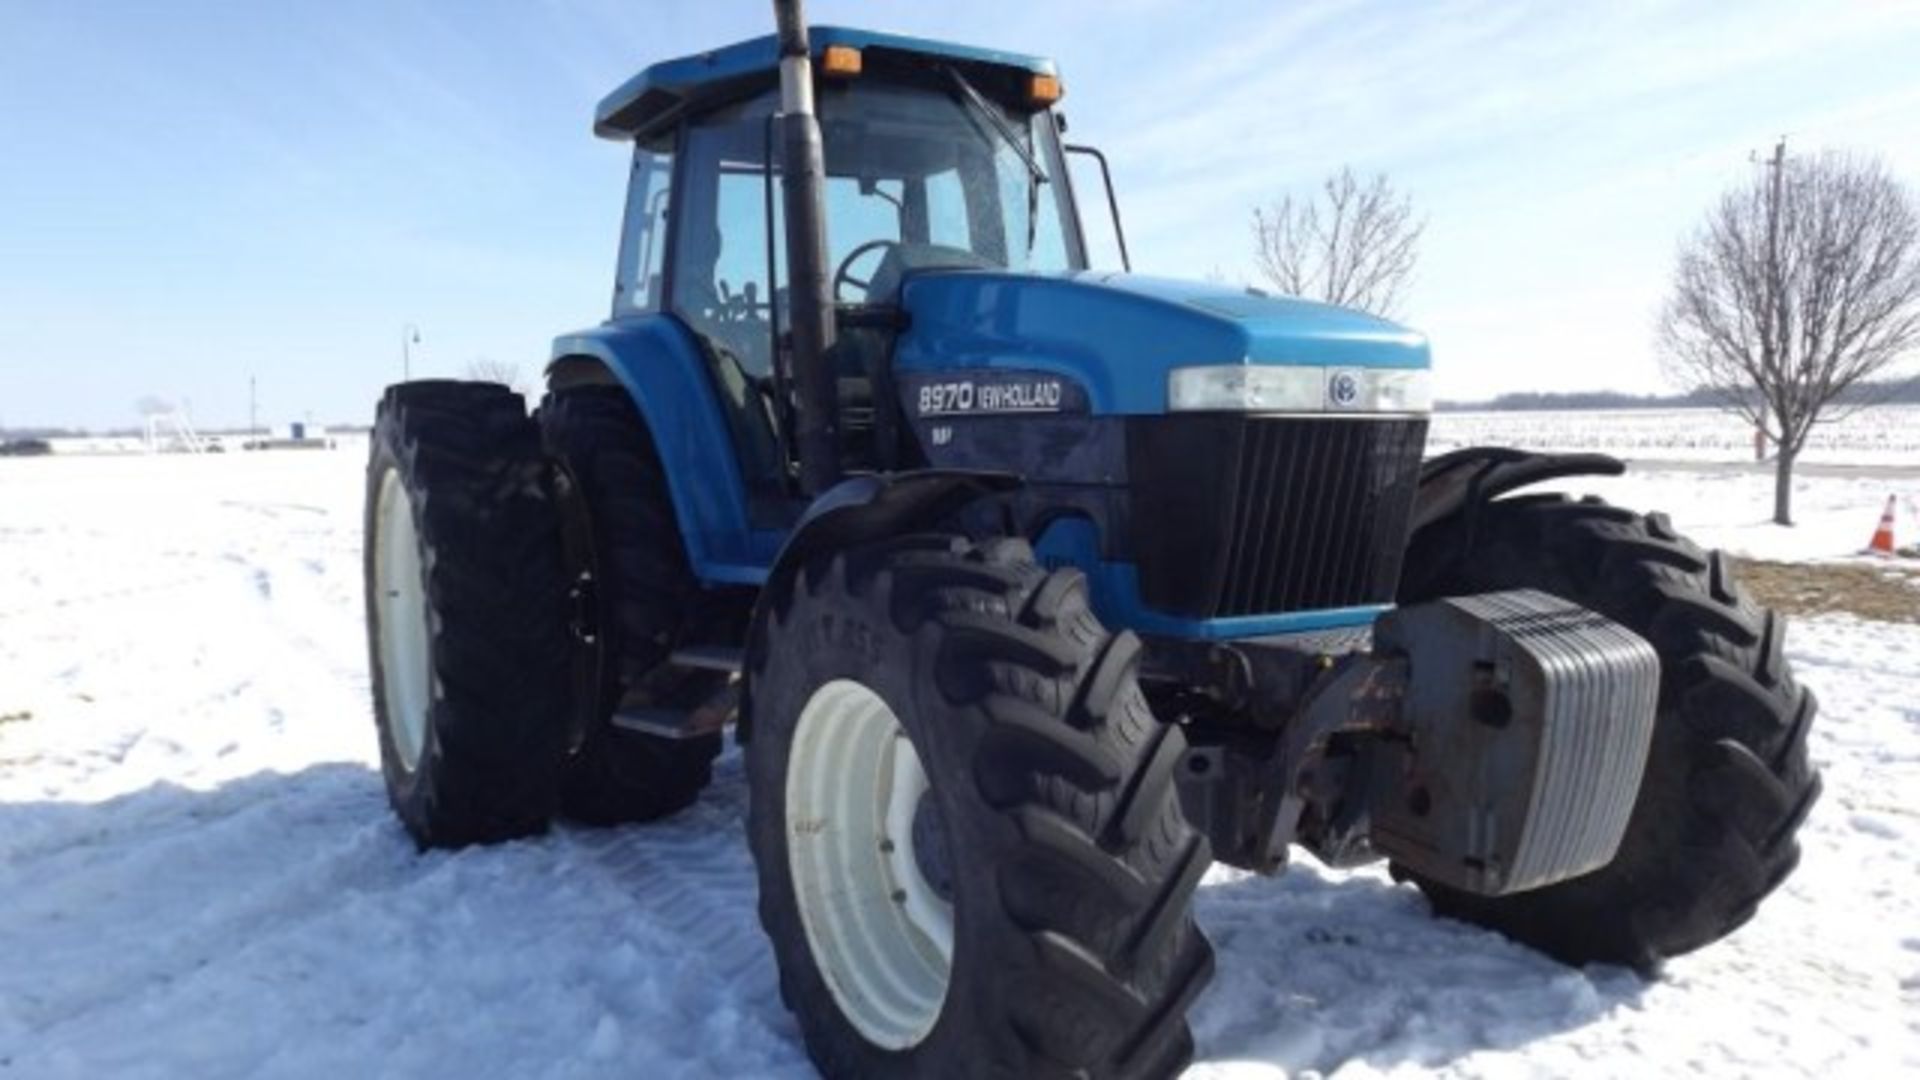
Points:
x=1113, y=204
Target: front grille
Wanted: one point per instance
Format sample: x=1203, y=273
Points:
x=1246, y=515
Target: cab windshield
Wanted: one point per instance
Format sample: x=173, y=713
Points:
x=922, y=176
x=918, y=178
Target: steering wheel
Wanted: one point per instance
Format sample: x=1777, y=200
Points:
x=844, y=275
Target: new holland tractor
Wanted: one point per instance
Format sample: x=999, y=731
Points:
x=1031, y=591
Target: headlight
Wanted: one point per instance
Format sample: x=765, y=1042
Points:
x=1298, y=388
x=1243, y=388
x=1396, y=391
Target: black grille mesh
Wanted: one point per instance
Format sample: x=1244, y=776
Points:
x=1255, y=515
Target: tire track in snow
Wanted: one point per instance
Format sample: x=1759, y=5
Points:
x=694, y=875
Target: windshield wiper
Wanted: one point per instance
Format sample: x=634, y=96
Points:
x=1035, y=174
x=984, y=108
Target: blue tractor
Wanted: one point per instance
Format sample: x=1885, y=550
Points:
x=1032, y=591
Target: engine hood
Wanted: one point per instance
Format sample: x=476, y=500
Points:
x=1119, y=335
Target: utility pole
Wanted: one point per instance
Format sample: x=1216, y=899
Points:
x=253, y=407
x=1777, y=164
x=1775, y=292
x=1775, y=345
x=1776, y=287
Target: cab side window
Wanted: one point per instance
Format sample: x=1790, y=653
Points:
x=720, y=285
x=720, y=276
x=643, y=241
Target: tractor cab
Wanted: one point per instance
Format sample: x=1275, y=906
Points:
x=935, y=157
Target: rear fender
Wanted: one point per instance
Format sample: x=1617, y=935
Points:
x=860, y=510
x=659, y=363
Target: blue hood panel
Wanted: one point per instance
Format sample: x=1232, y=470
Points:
x=1119, y=334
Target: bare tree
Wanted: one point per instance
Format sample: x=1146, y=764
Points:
x=486, y=369
x=1797, y=287
x=1354, y=245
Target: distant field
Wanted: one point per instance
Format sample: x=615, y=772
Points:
x=218, y=443
x=1882, y=435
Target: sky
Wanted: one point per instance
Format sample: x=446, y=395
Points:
x=199, y=193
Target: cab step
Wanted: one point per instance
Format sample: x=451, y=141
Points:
x=661, y=723
x=673, y=723
x=710, y=658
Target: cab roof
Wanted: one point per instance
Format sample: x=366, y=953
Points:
x=661, y=92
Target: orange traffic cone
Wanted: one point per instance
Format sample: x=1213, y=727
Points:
x=1882, y=542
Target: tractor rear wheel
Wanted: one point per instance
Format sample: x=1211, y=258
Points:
x=971, y=856
x=645, y=589
x=466, y=609
x=1727, y=782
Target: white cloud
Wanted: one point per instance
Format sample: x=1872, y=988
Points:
x=1560, y=151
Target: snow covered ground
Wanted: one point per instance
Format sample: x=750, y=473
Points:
x=1878, y=435
x=1732, y=509
x=199, y=876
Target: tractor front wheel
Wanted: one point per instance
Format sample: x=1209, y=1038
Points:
x=972, y=860
x=1727, y=782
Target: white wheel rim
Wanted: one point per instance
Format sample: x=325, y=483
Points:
x=400, y=616
x=880, y=933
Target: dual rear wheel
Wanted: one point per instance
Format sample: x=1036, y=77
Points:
x=477, y=616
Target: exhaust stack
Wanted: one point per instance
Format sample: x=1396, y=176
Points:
x=810, y=317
